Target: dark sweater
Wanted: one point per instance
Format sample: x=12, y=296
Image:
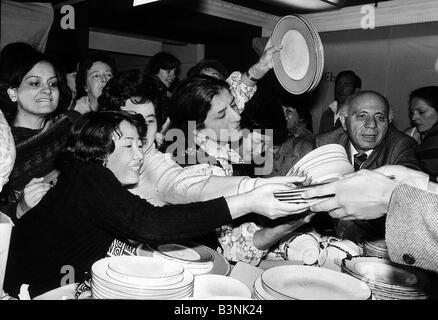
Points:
x=77, y=220
x=36, y=156
x=427, y=153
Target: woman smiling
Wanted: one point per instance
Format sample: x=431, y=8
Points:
x=78, y=219
x=35, y=96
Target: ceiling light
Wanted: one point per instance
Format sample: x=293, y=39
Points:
x=140, y=2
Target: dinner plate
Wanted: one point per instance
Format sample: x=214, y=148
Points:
x=296, y=63
x=209, y=285
x=313, y=283
x=323, y=152
x=330, y=172
x=100, y=275
x=315, y=162
x=184, y=251
x=109, y=293
x=385, y=272
x=319, y=51
x=144, y=267
x=62, y=293
x=216, y=265
x=144, y=271
x=260, y=293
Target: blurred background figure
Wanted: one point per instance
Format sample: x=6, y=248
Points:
x=347, y=83
x=92, y=75
x=209, y=67
x=162, y=70
x=290, y=138
x=423, y=110
x=69, y=66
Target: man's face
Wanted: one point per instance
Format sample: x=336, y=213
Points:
x=344, y=87
x=367, y=122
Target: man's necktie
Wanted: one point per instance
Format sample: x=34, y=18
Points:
x=359, y=158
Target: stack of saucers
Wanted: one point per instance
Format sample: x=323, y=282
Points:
x=387, y=280
x=294, y=282
x=375, y=248
x=135, y=277
x=198, y=259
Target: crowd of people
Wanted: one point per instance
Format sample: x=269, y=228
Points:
x=140, y=156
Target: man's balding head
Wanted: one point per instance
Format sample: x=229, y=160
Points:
x=365, y=118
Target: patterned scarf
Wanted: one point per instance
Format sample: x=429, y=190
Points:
x=224, y=154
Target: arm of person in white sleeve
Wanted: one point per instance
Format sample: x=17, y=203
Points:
x=7, y=151
x=163, y=181
x=244, y=85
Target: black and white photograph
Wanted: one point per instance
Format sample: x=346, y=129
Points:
x=240, y=151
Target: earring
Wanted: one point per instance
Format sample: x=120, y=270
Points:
x=12, y=95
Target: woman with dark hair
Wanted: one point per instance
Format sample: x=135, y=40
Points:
x=423, y=110
x=243, y=85
x=162, y=71
x=162, y=180
x=208, y=67
x=203, y=110
x=92, y=75
x=36, y=97
x=78, y=219
x=164, y=67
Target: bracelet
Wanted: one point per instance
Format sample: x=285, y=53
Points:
x=250, y=77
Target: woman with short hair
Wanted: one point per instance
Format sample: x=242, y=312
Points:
x=92, y=75
x=78, y=219
x=423, y=110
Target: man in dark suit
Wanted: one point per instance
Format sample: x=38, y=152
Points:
x=347, y=83
x=371, y=142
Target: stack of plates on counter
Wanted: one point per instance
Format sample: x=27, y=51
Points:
x=198, y=259
x=322, y=165
x=299, y=65
x=141, y=278
x=388, y=281
x=376, y=248
x=293, y=282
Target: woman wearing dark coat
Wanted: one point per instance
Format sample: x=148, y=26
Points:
x=78, y=219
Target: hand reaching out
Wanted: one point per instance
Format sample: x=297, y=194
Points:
x=33, y=192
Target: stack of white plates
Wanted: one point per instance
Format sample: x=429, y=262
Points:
x=300, y=63
x=198, y=259
x=322, y=165
x=293, y=282
x=376, y=248
x=388, y=281
x=134, y=277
